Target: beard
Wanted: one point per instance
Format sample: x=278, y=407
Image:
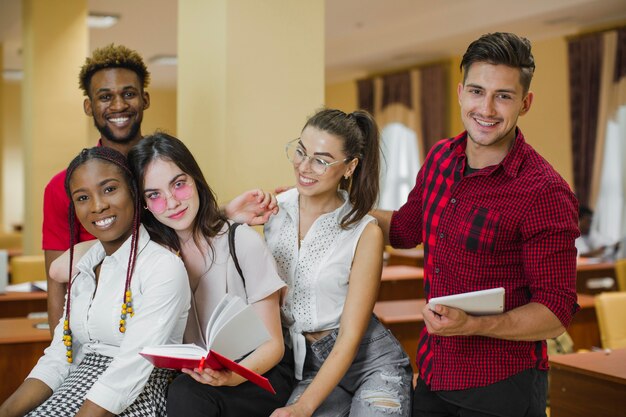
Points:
x=106, y=132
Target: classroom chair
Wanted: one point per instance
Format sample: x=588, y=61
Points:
x=611, y=313
x=27, y=268
x=10, y=240
x=620, y=274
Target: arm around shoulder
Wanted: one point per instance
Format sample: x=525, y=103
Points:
x=383, y=217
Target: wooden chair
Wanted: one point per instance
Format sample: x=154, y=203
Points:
x=611, y=312
x=10, y=240
x=620, y=274
x=27, y=268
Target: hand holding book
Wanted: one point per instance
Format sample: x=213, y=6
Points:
x=234, y=330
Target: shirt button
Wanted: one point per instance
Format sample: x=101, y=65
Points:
x=441, y=235
x=436, y=270
x=453, y=200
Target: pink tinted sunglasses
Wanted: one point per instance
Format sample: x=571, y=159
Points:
x=157, y=202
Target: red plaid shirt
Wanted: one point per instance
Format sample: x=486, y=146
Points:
x=510, y=225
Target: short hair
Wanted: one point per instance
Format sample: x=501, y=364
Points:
x=584, y=211
x=501, y=48
x=112, y=56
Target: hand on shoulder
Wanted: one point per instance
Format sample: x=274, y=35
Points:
x=254, y=207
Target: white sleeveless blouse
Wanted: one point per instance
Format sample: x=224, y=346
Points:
x=317, y=273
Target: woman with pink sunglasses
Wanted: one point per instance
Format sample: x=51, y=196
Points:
x=181, y=208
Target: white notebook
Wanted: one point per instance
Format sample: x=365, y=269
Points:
x=476, y=303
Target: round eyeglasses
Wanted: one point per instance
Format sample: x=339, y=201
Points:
x=156, y=201
x=296, y=155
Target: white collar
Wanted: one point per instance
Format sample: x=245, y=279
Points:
x=96, y=253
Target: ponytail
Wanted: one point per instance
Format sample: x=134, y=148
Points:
x=361, y=138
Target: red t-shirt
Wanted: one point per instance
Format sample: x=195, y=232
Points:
x=511, y=225
x=56, y=226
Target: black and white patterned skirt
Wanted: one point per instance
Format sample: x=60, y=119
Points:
x=69, y=397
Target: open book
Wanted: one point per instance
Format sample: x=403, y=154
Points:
x=233, y=331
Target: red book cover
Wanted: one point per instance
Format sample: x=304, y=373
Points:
x=234, y=330
x=214, y=361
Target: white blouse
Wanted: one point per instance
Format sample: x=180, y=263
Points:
x=161, y=299
x=317, y=273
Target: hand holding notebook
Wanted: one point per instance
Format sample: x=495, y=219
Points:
x=476, y=303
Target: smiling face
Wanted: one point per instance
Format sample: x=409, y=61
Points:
x=491, y=99
x=103, y=202
x=116, y=102
x=171, y=195
x=316, y=143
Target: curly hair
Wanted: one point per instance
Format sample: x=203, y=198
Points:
x=112, y=56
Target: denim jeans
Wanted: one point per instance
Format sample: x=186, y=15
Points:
x=378, y=383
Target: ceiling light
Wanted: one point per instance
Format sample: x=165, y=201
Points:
x=12, y=74
x=165, y=60
x=101, y=21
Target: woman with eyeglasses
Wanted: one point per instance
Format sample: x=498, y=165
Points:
x=329, y=251
x=182, y=209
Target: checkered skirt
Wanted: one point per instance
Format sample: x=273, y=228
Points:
x=66, y=400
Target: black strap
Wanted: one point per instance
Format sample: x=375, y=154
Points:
x=231, y=246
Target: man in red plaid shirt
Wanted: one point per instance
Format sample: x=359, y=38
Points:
x=491, y=212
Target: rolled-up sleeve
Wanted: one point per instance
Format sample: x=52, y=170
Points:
x=549, y=254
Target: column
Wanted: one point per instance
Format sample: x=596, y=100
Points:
x=249, y=74
x=3, y=226
x=55, y=43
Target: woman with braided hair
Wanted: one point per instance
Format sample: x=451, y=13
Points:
x=129, y=292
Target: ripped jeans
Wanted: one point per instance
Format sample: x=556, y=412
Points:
x=378, y=383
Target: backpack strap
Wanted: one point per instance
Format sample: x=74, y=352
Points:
x=231, y=246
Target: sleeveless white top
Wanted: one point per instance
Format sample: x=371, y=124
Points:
x=317, y=273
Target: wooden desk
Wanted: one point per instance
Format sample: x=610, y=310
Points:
x=413, y=257
x=19, y=304
x=587, y=269
x=400, y=282
x=404, y=319
x=21, y=345
x=584, y=329
x=588, y=384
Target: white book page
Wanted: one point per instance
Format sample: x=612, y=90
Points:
x=217, y=312
x=241, y=334
x=176, y=351
x=234, y=306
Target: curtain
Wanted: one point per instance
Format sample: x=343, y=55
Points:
x=408, y=106
x=606, y=186
x=584, y=70
x=434, y=104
